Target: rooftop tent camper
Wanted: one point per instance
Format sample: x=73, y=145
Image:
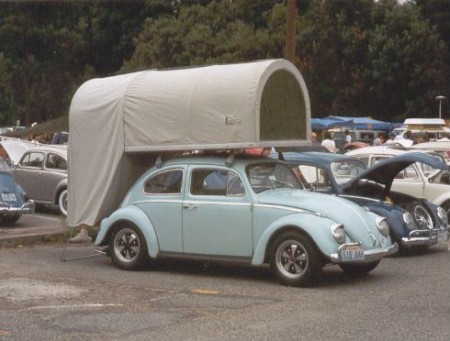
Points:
x=118, y=124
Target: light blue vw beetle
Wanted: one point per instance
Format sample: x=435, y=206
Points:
x=242, y=208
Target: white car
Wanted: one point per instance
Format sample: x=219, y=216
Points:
x=418, y=179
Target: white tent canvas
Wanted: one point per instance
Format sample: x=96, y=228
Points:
x=118, y=124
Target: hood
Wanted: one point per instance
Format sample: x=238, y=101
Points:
x=384, y=172
x=357, y=221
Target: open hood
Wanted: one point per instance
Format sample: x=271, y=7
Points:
x=384, y=172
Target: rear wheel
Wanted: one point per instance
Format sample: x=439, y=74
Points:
x=62, y=202
x=359, y=269
x=128, y=247
x=295, y=259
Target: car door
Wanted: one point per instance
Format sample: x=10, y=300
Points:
x=28, y=174
x=217, y=214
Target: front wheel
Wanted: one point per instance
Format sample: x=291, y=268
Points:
x=359, y=269
x=420, y=214
x=128, y=246
x=295, y=259
x=62, y=202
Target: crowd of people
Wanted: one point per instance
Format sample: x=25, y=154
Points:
x=408, y=139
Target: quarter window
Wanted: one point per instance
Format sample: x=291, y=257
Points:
x=165, y=183
x=54, y=161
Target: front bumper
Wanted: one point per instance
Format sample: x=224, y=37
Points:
x=8, y=211
x=369, y=255
x=425, y=237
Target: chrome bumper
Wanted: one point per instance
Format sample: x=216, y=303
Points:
x=369, y=255
x=425, y=237
x=26, y=208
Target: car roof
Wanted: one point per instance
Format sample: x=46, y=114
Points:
x=388, y=149
x=213, y=160
x=61, y=149
x=314, y=157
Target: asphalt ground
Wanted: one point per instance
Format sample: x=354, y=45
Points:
x=35, y=228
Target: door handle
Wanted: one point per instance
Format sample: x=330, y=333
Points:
x=189, y=206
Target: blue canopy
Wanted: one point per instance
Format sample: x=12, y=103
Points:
x=362, y=123
x=327, y=123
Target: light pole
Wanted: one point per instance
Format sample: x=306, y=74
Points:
x=440, y=98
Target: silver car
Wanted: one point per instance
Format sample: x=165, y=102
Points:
x=42, y=172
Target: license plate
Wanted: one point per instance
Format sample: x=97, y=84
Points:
x=442, y=236
x=351, y=253
x=8, y=197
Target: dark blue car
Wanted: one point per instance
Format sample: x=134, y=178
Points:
x=414, y=222
x=13, y=200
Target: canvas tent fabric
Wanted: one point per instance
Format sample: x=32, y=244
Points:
x=119, y=124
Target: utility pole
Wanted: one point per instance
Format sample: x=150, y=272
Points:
x=290, y=29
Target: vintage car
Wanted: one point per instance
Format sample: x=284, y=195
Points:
x=414, y=223
x=13, y=200
x=418, y=179
x=42, y=172
x=243, y=208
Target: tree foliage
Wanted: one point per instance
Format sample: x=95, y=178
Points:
x=358, y=57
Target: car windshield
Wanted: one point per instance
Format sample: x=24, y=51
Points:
x=271, y=175
x=343, y=171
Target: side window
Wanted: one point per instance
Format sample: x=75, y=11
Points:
x=165, y=183
x=33, y=159
x=216, y=182
x=54, y=161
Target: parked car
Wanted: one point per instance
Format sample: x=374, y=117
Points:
x=13, y=200
x=243, y=208
x=42, y=172
x=414, y=222
x=418, y=179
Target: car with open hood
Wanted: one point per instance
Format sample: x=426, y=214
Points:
x=243, y=208
x=418, y=179
x=13, y=200
x=414, y=222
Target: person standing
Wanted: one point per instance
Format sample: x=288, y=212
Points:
x=328, y=143
x=348, y=137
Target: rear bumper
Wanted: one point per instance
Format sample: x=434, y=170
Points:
x=369, y=255
x=425, y=237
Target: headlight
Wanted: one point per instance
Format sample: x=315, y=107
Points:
x=383, y=226
x=337, y=230
x=409, y=221
x=442, y=215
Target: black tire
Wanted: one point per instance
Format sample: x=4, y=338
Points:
x=62, y=202
x=420, y=214
x=10, y=220
x=359, y=269
x=128, y=247
x=295, y=260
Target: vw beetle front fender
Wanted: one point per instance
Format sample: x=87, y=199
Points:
x=315, y=226
x=133, y=215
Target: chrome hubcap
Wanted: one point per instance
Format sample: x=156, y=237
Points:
x=291, y=259
x=126, y=245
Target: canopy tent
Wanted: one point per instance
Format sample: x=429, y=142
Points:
x=326, y=123
x=119, y=124
x=56, y=125
x=363, y=123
